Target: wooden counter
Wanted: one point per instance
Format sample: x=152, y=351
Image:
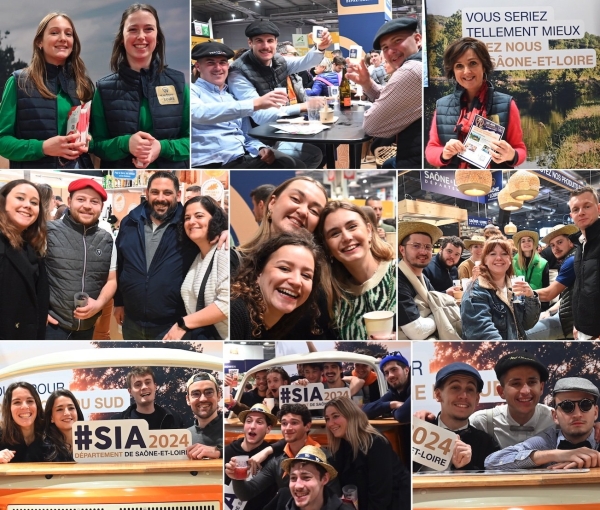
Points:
x=547, y=490
x=70, y=468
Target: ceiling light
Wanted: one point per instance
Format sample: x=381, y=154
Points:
x=524, y=185
x=474, y=183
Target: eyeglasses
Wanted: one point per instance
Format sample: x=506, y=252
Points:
x=419, y=246
x=208, y=393
x=568, y=406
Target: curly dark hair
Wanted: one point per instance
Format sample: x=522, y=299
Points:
x=56, y=446
x=297, y=409
x=246, y=288
x=219, y=220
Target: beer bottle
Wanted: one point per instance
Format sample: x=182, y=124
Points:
x=345, y=92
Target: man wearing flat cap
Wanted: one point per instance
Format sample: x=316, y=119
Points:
x=397, y=108
x=220, y=124
x=557, y=322
x=415, y=246
x=522, y=377
x=570, y=443
x=81, y=257
x=458, y=388
x=261, y=70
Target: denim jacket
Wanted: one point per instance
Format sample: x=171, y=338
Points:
x=486, y=315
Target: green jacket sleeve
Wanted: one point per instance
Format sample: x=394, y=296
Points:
x=11, y=147
x=179, y=149
x=108, y=149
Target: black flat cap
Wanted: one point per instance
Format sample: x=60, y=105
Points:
x=517, y=359
x=396, y=25
x=211, y=49
x=261, y=27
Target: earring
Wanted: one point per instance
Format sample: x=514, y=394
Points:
x=269, y=214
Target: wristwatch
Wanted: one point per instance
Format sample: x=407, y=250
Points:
x=181, y=324
x=535, y=294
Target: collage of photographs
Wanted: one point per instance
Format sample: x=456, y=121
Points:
x=300, y=255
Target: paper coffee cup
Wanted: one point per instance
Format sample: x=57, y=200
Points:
x=379, y=323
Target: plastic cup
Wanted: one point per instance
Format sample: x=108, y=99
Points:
x=80, y=299
x=313, y=106
x=227, y=394
x=465, y=283
x=333, y=91
x=355, y=54
x=477, y=262
x=270, y=403
x=350, y=495
x=317, y=34
x=456, y=283
x=241, y=467
x=379, y=323
x=285, y=91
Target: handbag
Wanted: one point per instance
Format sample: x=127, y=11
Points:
x=205, y=332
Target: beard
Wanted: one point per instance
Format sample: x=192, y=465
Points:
x=161, y=217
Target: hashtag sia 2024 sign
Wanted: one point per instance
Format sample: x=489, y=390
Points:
x=127, y=441
x=313, y=396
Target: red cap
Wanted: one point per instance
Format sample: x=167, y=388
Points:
x=88, y=183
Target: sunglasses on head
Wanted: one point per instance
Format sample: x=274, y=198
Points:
x=568, y=406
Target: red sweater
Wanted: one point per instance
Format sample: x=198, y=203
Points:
x=513, y=135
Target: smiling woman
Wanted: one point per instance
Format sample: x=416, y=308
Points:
x=22, y=266
x=61, y=413
x=141, y=112
x=276, y=285
x=37, y=101
x=364, y=276
x=468, y=62
x=22, y=424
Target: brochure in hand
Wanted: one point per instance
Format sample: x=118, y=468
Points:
x=477, y=143
x=79, y=121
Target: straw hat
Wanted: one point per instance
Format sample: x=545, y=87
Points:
x=314, y=455
x=560, y=230
x=259, y=408
x=474, y=240
x=526, y=233
x=405, y=228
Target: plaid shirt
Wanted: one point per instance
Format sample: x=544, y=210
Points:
x=397, y=105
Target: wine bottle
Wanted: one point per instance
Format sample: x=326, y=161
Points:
x=345, y=92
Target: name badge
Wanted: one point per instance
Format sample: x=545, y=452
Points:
x=166, y=94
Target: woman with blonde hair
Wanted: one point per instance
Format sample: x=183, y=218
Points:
x=25, y=300
x=363, y=457
x=364, y=275
x=37, y=101
x=488, y=309
x=529, y=263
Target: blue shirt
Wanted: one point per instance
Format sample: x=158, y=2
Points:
x=519, y=455
x=566, y=275
x=220, y=125
x=243, y=89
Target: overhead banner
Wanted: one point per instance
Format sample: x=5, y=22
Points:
x=518, y=37
x=558, y=177
x=359, y=21
x=477, y=221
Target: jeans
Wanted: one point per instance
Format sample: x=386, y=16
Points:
x=133, y=331
x=55, y=332
x=309, y=154
x=546, y=329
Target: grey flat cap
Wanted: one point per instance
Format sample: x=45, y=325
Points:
x=575, y=384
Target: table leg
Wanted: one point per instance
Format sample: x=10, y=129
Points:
x=355, y=155
x=330, y=156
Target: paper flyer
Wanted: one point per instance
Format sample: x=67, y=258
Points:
x=477, y=143
x=79, y=121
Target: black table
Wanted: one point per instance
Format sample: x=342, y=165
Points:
x=348, y=129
